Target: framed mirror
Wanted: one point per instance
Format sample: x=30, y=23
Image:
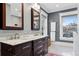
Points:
x=13, y=16
x=35, y=19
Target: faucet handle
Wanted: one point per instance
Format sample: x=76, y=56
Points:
x=17, y=36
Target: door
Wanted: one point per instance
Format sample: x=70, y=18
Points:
x=52, y=31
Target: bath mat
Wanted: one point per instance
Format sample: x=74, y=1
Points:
x=53, y=54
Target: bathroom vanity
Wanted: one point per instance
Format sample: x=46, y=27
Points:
x=32, y=46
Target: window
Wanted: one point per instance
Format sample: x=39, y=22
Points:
x=68, y=25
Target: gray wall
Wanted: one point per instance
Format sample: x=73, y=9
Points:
x=54, y=17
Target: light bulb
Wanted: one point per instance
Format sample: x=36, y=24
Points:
x=36, y=6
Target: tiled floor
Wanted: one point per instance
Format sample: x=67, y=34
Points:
x=65, y=49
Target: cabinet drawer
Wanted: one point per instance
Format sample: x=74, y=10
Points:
x=23, y=49
x=45, y=49
x=38, y=48
x=39, y=53
x=38, y=42
x=26, y=45
x=45, y=46
x=23, y=45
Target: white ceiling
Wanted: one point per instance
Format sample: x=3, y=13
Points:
x=53, y=7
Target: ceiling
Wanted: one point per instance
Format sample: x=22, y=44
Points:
x=54, y=7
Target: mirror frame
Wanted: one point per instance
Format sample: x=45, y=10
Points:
x=4, y=19
x=32, y=19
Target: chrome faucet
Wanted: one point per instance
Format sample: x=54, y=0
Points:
x=16, y=36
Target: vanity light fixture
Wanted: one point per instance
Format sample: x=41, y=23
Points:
x=36, y=6
x=57, y=5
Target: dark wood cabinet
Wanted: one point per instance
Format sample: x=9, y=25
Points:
x=45, y=42
x=10, y=20
x=24, y=49
x=40, y=46
x=37, y=47
x=6, y=50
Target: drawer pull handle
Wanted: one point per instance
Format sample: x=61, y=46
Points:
x=40, y=47
x=26, y=47
x=40, y=41
x=39, y=52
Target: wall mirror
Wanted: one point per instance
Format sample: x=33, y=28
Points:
x=13, y=16
x=35, y=19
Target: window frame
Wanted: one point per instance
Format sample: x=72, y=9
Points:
x=61, y=24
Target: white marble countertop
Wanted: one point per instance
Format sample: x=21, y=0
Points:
x=21, y=40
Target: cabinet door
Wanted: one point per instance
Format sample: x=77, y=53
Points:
x=37, y=42
x=27, y=49
x=38, y=51
x=7, y=50
x=38, y=47
x=45, y=42
x=24, y=49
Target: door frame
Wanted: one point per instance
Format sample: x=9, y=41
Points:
x=53, y=31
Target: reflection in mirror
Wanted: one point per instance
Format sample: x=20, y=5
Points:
x=14, y=15
x=35, y=19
